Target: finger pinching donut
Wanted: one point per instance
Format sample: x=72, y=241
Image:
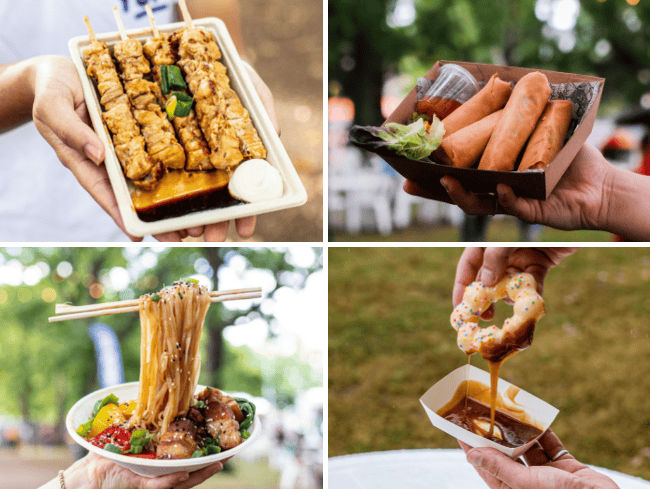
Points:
x=495, y=343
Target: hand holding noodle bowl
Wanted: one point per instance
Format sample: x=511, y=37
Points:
x=167, y=421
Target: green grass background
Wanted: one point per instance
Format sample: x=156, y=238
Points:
x=500, y=229
x=390, y=340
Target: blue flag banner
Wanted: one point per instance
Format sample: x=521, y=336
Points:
x=110, y=370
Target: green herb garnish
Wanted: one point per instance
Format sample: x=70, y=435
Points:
x=180, y=295
x=155, y=298
x=197, y=454
x=113, y=448
x=200, y=405
x=248, y=410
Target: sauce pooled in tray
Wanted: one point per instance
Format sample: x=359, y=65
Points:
x=469, y=408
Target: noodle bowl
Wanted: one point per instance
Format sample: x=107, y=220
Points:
x=169, y=419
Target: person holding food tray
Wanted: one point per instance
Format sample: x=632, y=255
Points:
x=41, y=201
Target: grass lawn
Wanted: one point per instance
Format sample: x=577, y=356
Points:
x=390, y=340
x=499, y=230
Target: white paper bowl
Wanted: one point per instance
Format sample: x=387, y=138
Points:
x=82, y=411
x=294, y=193
x=442, y=392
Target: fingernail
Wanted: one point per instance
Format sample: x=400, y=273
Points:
x=92, y=152
x=444, y=185
x=184, y=477
x=488, y=277
x=475, y=459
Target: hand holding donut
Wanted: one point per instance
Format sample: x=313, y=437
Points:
x=489, y=265
x=493, y=343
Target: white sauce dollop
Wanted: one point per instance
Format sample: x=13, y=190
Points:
x=255, y=180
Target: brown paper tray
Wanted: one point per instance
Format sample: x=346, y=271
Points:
x=536, y=184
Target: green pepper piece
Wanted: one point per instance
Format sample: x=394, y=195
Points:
x=164, y=79
x=175, y=78
x=197, y=453
x=183, y=104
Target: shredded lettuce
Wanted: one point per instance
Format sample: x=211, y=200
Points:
x=414, y=141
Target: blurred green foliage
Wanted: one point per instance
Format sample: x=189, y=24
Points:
x=610, y=39
x=390, y=340
x=46, y=367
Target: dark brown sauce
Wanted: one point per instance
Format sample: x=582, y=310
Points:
x=182, y=192
x=468, y=411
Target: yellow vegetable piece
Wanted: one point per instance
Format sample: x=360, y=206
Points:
x=170, y=106
x=107, y=416
x=127, y=408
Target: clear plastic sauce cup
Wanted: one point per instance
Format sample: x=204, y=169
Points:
x=453, y=87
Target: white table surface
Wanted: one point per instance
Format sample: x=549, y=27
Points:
x=424, y=469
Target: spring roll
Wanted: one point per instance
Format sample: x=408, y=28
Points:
x=492, y=97
x=517, y=123
x=549, y=135
x=465, y=147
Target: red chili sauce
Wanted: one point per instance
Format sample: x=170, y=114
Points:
x=119, y=436
x=441, y=107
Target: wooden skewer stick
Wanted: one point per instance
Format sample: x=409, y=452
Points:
x=135, y=308
x=120, y=25
x=90, y=30
x=152, y=20
x=67, y=308
x=186, y=13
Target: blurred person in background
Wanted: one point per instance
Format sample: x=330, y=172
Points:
x=41, y=199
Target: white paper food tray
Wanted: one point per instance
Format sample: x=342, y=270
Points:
x=294, y=193
x=442, y=392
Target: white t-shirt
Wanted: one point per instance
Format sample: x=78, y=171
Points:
x=40, y=199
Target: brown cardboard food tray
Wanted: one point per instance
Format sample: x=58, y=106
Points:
x=536, y=184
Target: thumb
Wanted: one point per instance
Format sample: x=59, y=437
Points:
x=518, y=476
x=517, y=206
x=59, y=116
x=495, y=261
x=500, y=466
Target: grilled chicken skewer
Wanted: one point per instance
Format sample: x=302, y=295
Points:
x=145, y=96
x=159, y=52
x=128, y=142
x=197, y=46
x=209, y=106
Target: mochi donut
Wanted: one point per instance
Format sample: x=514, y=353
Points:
x=493, y=343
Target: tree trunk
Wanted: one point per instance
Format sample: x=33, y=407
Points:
x=364, y=83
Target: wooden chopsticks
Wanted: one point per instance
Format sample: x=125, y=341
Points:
x=65, y=311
